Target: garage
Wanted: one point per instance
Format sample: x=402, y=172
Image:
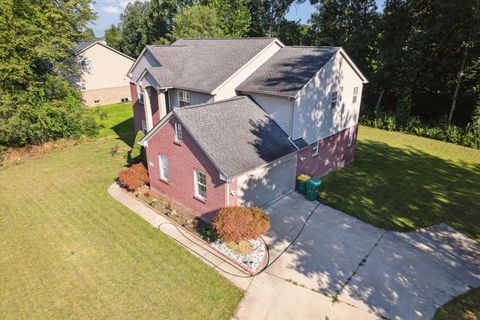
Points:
x=263, y=185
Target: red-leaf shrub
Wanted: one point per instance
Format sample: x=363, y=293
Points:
x=134, y=177
x=239, y=223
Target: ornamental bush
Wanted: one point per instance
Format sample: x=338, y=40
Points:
x=134, y=177
x=240, y=223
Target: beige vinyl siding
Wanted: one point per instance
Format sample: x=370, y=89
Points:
x=109, y=68
x=279, y=108
x=313, y=117
x=195, y=97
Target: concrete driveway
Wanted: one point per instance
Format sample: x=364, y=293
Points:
x=372, y=272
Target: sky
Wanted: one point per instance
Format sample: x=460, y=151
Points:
x=108, y=12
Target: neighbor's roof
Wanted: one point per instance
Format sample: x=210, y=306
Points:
x=82, y=45
x=235, y=134
x=203, y=64
x=289, y=70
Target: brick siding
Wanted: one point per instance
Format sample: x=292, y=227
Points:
x=138, y=112
x=331, y=151
x=183, y=159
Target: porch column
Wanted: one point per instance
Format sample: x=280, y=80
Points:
x=148, y=109
x=162, y=104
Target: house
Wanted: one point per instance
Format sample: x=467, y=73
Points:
x=104, y=77
x=234, y=121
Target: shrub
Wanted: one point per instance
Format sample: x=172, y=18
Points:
x=138, y=152
x=134, y=177
x=239, y=223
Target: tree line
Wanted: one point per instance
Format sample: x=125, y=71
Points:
x=420, y=56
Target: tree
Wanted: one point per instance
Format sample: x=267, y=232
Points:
x=88, y=35
x=198, y=21
x=113, y=37
x=267, y=16
x=134, y=28
x=37, y=103
x=235, y=16
x=295, y=33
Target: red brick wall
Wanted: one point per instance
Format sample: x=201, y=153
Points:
x=183, y=160
x=331, y=151
x=138, y=111
x=154, y=105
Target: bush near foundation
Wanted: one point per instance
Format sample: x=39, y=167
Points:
x=134, y=177
x=234, y=224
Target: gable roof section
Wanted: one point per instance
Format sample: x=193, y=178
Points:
x=288, y=71
x=235, y=134
x=85, y=45
x=203, y=64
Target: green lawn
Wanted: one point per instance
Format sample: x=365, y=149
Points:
x=464, y=307
x=70, y=251
x=118, y=121
x=402, y=182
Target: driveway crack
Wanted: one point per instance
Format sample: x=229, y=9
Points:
x=360, y=264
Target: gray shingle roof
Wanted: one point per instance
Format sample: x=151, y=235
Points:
x=204, y=64
x=288, y=71
x=236, y=134
x=82, y=45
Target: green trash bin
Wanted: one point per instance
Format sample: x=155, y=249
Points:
x=301, y=183
x=312, y=188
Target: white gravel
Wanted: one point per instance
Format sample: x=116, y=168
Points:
x=250, y=261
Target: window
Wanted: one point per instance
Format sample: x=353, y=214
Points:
x=164, y=173
x=82, y=86
x=144, y=126
x=140, y=94
x=350, y=137
x=86, y=64
x=183, y=98
x=178, y=132
x=315, y=149
x=355, y=94
x=200, y=185
x=333, y=102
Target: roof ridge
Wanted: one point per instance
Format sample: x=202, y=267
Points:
x=300, y=46
x=211, y=103
x=237, y=38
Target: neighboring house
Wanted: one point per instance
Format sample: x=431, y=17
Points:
x=234, y=121
x=104, y=77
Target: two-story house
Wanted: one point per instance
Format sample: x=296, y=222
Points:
x=234, y=121
x=104, y=77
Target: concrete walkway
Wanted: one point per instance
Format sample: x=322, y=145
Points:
x=367, y=271
x=267, y=296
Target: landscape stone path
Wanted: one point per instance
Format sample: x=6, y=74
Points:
x=368, y=272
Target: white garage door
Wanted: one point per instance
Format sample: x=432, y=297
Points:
x=261, y=186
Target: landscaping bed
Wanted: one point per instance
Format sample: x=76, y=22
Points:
x=251, y=261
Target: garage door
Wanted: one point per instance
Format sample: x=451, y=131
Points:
x=261, y=186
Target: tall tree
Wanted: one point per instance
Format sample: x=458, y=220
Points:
x=88, y=35
x=235, y=16
x=134, y=27
x=37, y=103
x=113, y=37
x=198, y=21
x=160, y=18
x=267, y=16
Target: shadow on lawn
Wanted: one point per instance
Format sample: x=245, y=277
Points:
x=125, y=131
x=404, y=189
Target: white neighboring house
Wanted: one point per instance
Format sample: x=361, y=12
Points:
x=104, y=79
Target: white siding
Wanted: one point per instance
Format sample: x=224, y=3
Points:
x=262, y=185
x=146, y=61
x=313, y=118
x=227, y=89
x=279, y=108
x=195, y=97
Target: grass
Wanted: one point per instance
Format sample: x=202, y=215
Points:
x=464, y=307
x=117, y=120
x=69, y=250
x=403, y=182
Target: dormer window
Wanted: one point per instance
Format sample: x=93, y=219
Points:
x=86, y=64
x=183, y=98
x=140, y=94
x=333, y=102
